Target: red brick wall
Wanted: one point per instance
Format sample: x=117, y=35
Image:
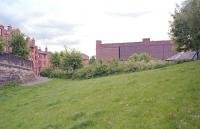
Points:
x=157, y=49
x=107, y=52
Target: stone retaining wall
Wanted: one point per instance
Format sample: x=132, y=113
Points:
x=15, y=69
x=16, y=74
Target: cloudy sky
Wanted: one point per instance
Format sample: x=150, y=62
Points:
x=79, y=23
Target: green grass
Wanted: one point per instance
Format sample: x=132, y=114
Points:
x=166, y=98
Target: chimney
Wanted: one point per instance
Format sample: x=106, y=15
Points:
x=98, y=42
x=146, y=40
x=1, y=29
x=98, y=49
x=1, y=26
x=9, y=28
x=46, y=49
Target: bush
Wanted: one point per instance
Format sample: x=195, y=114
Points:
x=46, y=72
x=140, y=57
x=136, y=62
x=97, y=69
x=59, y=73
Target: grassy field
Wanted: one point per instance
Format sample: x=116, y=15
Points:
x=166, y=98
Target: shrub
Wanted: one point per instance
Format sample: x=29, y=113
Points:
x=140, y=57
x=59, y=73
x=136, y=62
x=46, y=72
x=72, y=60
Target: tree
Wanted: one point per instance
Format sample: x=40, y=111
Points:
x=185, y=27
x=92, y=60
x=19, y=45
x=55, y=59
x=72, y=60
x=2, y=43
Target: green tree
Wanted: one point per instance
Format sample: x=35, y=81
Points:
x=72, y=60
x=55, y=59
x=185, y=27
x=92, y=60
x=19, y=45
x=2, y=43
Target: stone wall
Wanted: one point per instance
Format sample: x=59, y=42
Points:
x=15, y=69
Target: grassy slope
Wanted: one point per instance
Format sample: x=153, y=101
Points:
x=167, y=98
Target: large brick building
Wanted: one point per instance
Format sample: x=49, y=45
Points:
x=121, y=51
x=40, y=58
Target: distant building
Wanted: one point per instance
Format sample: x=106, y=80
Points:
x=85, y=59
x=121, y=51
x=40, y=58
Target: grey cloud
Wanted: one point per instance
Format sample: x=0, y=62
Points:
x=134, y=14
x=51, y=29
x=45, y=29
x=61, y=42
x=64, y=42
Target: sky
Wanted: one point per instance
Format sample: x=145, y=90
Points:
x=77, y=24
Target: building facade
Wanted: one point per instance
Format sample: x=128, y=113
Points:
x=121, y=51
x=85, y=58
x=40, y=58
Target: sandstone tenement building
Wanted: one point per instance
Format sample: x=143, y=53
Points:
x=40, y=58
x=121, y=51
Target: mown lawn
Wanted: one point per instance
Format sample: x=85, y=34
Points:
x=166, y=98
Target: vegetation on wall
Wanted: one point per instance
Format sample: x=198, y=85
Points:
x=2, y=44
x=19, y=45
x=185, y=28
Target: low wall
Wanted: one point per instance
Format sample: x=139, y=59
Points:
x=15, y=61
x=15, y=69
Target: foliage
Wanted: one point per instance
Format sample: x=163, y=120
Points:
x=166, y=98
x=19, y=45
x=46, y=72
x=55, y=59
x=2, y=44
x=185, y=28
x=59, y=73
x=140, y=57
x=92, y=60
x=72, y=60
x=55, y=73
x=67, y=60
x=136, y=62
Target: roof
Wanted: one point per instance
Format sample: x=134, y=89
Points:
x=189, y=55
x=84, y=56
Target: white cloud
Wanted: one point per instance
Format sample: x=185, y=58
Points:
x=78, y=23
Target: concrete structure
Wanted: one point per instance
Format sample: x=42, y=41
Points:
x=121, y=51
x=40, y=58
